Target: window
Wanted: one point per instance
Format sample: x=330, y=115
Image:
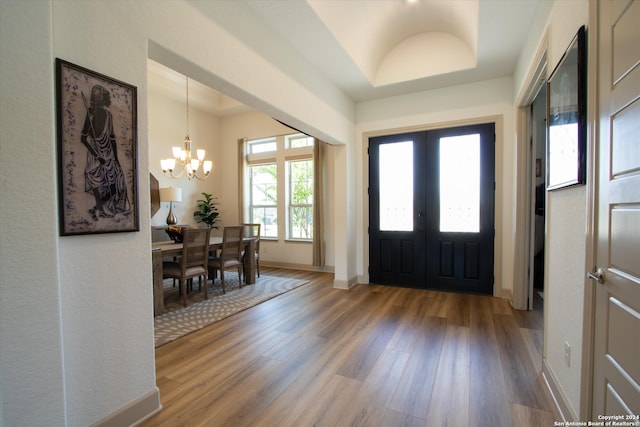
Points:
x=396, y=186
x=279, y=185
x=300, y=197
x=262, y=145
x=460, y=184
x=264, y=198
x=298, y=140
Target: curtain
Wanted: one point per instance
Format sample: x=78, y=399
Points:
x=318, y=203
x=241, y=173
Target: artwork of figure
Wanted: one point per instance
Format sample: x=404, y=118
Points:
x=96, y=152
x=103, y=174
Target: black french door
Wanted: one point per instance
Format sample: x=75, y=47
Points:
x=431, y=209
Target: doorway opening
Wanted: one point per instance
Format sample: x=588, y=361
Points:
x=537, y=188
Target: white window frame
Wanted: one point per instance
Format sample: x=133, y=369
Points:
x=264, y=230
x=291, y=205
x=281, y=156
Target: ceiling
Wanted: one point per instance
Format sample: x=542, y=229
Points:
x=173, y=85
x=373, y=49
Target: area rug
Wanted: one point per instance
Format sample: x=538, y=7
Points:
x=179, y=321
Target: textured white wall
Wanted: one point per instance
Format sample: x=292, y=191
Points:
x=76, y=312
x=564, y=277
x=106, y=309
x=565, y=239
x=31, y=372
x=465, y=102
x=76, y=344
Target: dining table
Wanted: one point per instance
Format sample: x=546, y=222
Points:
x=166, y=249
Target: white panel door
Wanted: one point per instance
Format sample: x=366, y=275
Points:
x=616, y=381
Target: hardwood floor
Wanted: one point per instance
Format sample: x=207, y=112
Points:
x=370, y=356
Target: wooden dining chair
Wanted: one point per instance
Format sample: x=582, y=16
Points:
x=230, y=257
x=253, y=230
x=193, y=262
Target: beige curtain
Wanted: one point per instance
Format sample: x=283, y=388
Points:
x=318, y=203
x=241, y=172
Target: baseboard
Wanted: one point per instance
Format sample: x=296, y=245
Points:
x=303, y=267
x=345, y=284
x=505, y=293
x=562, y=404
x=135, y=412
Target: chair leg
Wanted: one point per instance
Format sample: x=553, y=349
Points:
x=240, y=275
x=206, y=285
x=184, y=292
x=222, y=280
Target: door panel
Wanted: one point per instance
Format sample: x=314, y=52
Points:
x=397, y=244
x=466, y=255
x=448, y=242
x=616, y=378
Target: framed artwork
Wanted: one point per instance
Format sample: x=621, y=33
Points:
x=97, y=152
x=567, y=121
x=154, y=188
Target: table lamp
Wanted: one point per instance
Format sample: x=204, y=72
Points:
x=171, y=195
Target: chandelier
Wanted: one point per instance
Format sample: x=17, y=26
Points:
x=183, y=161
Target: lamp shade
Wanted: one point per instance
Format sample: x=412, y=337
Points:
x=171, y=194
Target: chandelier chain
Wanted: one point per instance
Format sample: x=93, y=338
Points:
x=187, y=106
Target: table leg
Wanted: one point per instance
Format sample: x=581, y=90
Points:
x=250, y=263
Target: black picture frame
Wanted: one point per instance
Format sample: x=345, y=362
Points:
x=97, y=152
x=567, y=117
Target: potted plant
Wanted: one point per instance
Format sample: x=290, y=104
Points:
x=207, y=211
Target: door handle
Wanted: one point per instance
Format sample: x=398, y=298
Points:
x=598, y=276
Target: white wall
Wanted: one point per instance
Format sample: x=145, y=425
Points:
x=76, y=342
x=565, y=237
x=566, y=240
x=76, y=312
x=493, y=98
x=107, y=344
x=31, y=353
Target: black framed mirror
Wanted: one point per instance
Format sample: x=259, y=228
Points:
x=567, y=117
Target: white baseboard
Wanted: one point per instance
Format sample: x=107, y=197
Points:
x=303, y=267
x=562, y=403
x=135, y=412
x=345, y=284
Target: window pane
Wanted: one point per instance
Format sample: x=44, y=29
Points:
x=460, y=184
x=563, y=156
x=301, y=179
x=396, y=186
x=264, y=185
x=300, y=199
x=299, y=140
x=268, y=217
x=301, y=221
x=264, y=198
x=262, y=145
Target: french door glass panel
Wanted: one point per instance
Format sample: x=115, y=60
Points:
x=460, y=183
x=396, y=186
